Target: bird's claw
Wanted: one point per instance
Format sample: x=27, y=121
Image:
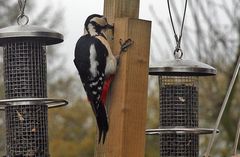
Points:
x=125, y=45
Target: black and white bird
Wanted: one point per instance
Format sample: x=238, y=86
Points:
x=97, y=65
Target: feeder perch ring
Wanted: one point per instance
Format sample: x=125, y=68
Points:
x=51, y=103
x=179, y=131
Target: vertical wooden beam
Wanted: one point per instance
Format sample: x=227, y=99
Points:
x=121, y=8
x=128, y=97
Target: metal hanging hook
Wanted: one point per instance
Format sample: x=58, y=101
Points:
x=22, y=5
x=22, y=19
x=178, y=38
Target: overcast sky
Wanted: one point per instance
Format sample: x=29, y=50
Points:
x=76, y=11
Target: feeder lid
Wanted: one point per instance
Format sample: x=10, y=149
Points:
x=181, y=67
x=44, y=35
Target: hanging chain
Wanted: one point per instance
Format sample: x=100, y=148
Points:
x=178, y=38
x=22, y=19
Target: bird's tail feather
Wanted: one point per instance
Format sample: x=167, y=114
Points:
x=102, y=122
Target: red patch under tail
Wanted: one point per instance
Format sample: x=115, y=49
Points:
x=106, y=87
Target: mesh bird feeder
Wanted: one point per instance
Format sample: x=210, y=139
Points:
x=178, y=92
x=26, y=104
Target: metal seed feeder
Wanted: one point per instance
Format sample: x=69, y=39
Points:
x=178, y=88
x=25, y=80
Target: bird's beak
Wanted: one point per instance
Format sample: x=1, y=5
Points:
x=110, y=26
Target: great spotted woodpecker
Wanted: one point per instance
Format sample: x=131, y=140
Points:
x=96, y=66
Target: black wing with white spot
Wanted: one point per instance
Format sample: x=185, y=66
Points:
x=90, y=60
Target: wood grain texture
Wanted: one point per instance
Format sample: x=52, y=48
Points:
x=128, y=95
x=128, y=99
x=121, y=8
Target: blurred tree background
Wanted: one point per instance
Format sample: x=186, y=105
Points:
x=211, y=35
x=71, y=129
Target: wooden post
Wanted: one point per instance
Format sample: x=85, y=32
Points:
x=128, y=98
x=121, y=8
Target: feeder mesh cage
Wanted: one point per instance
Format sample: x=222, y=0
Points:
x=27, y=130
x=25, y=69
x=179, y=108
x=25, y=77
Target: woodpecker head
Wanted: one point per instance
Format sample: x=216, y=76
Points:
x=96, y=25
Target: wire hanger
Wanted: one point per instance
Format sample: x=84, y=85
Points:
x=22, y=19
x=177, y=38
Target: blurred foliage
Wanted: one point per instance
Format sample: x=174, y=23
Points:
x=212, y=36
x=71, y=131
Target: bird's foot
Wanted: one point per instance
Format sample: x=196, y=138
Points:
x=125, y=45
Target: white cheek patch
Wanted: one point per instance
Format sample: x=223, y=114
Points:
x=99, y=20
x=92, y=30
x=93, y=61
